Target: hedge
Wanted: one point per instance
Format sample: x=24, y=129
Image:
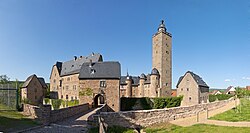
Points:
x=219, y=97
x=150, y=103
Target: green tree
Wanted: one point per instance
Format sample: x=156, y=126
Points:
x=4, y=79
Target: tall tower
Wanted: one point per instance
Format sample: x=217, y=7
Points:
x=162, y=58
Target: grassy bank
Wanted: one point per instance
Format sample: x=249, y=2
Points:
x=241, y=113
x=14, y=121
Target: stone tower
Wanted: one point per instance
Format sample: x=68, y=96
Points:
x=162, y=58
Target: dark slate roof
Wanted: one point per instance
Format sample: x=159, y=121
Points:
x=28, y=80
x=74, y=66
x=99, y=70
x=154, y=71
x=42, y=81
x=135, y=80
x=26, y=83
x=59, y=66
x=197, y=79
x=148, y=79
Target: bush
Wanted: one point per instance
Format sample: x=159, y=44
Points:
x=46, y=100
x=168, y=102
x=212, y=98
x=56, y=103
x=219, y=97
x=150, y=103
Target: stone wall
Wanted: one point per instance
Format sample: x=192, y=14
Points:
x=144, y=118
x=45, y=115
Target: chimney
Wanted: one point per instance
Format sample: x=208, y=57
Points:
x=75, y=57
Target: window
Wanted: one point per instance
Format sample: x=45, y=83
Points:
x=54, y=80
x=190, y=98
x=74, y=87
x=35, y=97
x=67, y=87
x=68, y=79
x=187, y=89
x=75, y=98
x=67, y=97
x=166, y=84
x=103, y=84
x=72, y=98
x=181, y=89
x=61, y=96
x=167, y=52
x=60, y=83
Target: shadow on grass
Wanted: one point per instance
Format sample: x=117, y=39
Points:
x=14, y=124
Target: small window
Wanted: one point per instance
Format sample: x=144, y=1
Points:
x=72, y=98
x=35, y=97
x=67, y=97
x=187, y=89
x=67, y=87
x=61, y=96
x=103, y=84
x=166, y=84
x=54, y=80
x=190, y=98
x=60, y=83
x=181, y=89
x=75, y=98
x=68, y=79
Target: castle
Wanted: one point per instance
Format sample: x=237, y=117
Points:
x=94, y=81
x=159, y=82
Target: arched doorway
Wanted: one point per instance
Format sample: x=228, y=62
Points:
x=99, y=100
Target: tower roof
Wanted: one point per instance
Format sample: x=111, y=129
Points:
x=154, y=72
x=162, y=27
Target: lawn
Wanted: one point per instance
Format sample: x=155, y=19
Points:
x=241, y=113
x=170, y=128
x=199, y=128
x=13, y=121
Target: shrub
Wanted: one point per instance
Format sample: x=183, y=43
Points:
x=212, y=98
x=168, y=102
x=46, y=100
x=56, y=103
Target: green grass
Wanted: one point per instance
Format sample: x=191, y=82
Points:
x=199, y=128
x=14, y=121
x=170, y=128
x=241, y=113
x=114, y=129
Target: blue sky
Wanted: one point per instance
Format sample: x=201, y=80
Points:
x=210, y=37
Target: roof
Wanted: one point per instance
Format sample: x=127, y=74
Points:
x=98, y=70
x=230, y=88
x=214, y=92
x=42, y=81
x=173, y=93
x=135, y=80
x=74, y=66
x=27, y=81
x=197, y=79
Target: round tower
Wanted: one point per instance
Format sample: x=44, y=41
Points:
x=129, y=86
x=142, y=81
x=154, y=83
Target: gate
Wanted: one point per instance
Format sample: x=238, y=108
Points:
x=9, y=97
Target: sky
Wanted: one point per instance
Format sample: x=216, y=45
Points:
x=209, y=37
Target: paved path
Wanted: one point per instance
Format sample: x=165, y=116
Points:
x=75, y=124
x=202, y=118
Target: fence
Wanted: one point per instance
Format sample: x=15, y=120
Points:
x=9, y=97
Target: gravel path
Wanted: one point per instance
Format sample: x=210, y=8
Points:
x=75, y=124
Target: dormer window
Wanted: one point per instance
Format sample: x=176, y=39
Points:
x=103, y=84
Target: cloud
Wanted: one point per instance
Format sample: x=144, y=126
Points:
x=227, y=80
x=246, y=78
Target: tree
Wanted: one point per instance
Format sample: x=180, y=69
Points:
x=4, y=79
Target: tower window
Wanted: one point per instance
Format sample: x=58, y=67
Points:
x=167, y=52
x=190, y=98
x=103, y=84
x=187, y=89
